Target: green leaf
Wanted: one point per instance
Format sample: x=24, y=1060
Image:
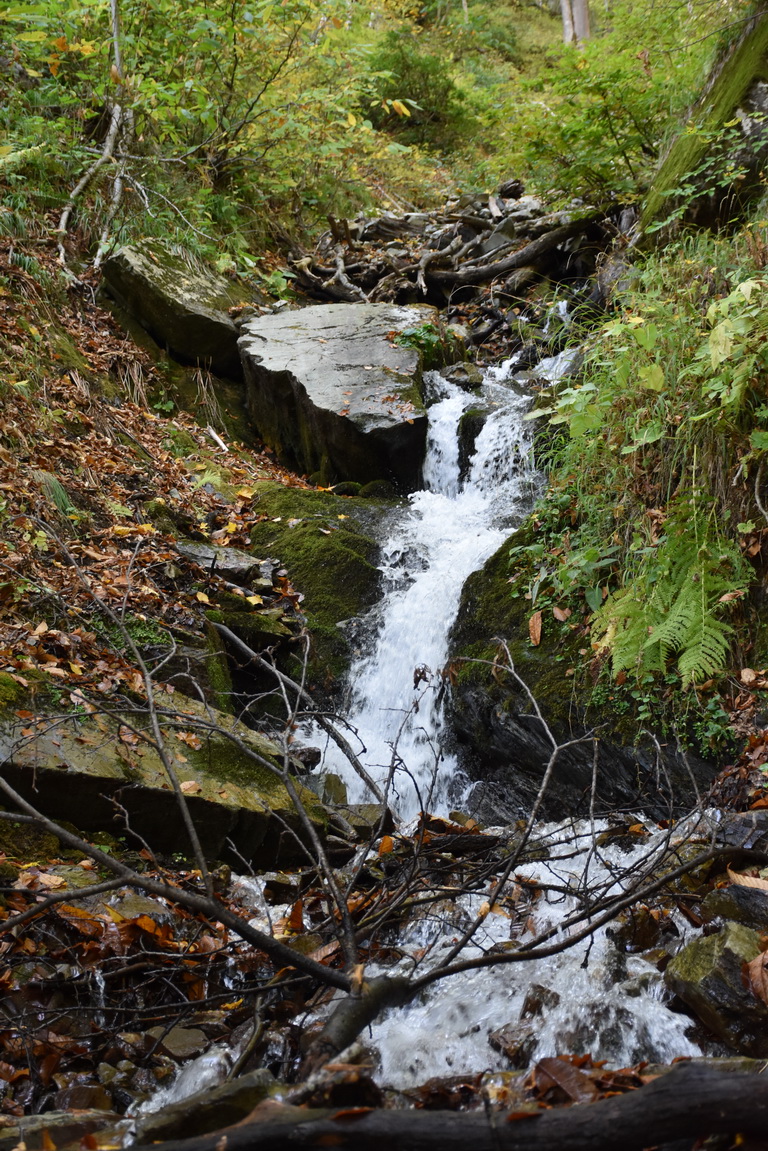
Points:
x=647, y=435
x=652, y=376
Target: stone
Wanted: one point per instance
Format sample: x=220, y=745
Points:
x=740, y=904
x=230, y=563
x=465, y=375
x=503, y=746
x=83, y=1097
x=331, y=393
x=180, y=302
x=516, y=1041
x=180, y=1042
x=62, y=1128
x=77, y=764
x=707, y=975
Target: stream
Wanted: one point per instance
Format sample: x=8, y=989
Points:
x=450, y=529
x=596, y=997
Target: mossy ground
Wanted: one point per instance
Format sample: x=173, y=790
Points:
x=329, y=559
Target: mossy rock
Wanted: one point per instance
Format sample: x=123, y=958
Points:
x=11, y=692
x=707, y=975
x=27, y=843
x=329, y=559
x=182, y=303
x=75, y=766
x=506, y=745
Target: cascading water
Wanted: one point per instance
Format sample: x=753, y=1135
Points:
x=452, y=527
x=592, y=997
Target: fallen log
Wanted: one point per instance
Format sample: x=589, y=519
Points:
x=690, y=1102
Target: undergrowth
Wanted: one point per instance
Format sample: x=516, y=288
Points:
x=652, y=535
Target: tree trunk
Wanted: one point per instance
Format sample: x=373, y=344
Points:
x=569, y=30
x=689, y=1103
x=728, y=82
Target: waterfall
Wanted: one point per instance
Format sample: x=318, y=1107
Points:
x=449, y=530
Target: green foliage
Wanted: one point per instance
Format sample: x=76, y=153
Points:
x=672, y=606
x=591, y=121
x=415, y=95
x=646, y=537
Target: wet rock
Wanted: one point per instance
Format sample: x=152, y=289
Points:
x=516, y=1041
x=707, y=975
x=180, y=302
x=331, y=393
x=132, y=904
x=740, y=904
x=206, y=1111
x=503, y=745
x=180, y=1042
x=83, y=1097
x=36, y=1132
x=465, y=375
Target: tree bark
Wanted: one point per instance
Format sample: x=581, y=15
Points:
x=690, y=1102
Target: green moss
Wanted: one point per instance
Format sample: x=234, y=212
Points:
x=329, y=559
x=217, y=668
x=11, y=692
x=180, y=443
x=488, y=612
x=156, y=512
x=27, y=843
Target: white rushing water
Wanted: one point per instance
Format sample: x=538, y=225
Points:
x=593, y=998
x=451, y=528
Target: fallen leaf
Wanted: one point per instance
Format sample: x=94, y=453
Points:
x=748, y=880
x=534, y=628
x=748, y=676
x=561, y=614
x=189, y=787
x=756, y=976
x=386, y=845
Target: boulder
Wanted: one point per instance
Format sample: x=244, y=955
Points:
x=179, y=301
x=74, y=766
x=707, y=975
x=740, y=904
x=504, y=745
x=331, y=392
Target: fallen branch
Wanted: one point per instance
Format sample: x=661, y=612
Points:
x=690, y=1102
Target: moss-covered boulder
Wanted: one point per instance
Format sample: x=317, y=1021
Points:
x=179, y=301
x=335, y=392
x=504, y=744
x=74, y=768
x=707, y=975
x=324, y=544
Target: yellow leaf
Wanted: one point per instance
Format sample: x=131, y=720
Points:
x=254, y=599
x=231, y=527
x=202, y=597
x=75, y=668
x=400, y=108
x=246, y=493
x=351, y=119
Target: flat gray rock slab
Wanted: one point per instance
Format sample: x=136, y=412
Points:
x=181, y=303
x=332, y=393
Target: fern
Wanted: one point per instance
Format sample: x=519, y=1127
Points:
x=673, y=606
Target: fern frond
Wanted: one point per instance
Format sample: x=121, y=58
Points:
x=706, y=653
